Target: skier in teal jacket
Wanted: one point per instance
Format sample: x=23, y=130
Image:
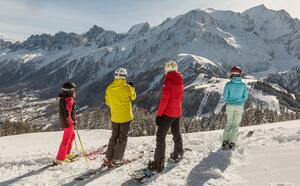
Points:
x=235, y=95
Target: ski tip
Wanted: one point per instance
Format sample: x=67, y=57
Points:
x=54, y=163
x=250, y=133
x=187, y=149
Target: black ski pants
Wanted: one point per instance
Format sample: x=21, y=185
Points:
x=163, y=127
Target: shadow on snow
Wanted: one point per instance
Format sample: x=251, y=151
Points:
x=31, y=173
x=208, y=168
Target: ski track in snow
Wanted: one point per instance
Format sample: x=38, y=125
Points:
x=269, y=157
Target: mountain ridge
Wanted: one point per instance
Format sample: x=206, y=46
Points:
x=205, y=43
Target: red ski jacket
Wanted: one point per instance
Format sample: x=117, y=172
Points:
x=172, y=94
x=67, y=113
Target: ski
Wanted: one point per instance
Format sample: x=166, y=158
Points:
x=144, y=174
x=250, y=133
x=91, y=155
x=101, y=170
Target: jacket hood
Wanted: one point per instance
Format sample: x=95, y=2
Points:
x=118, y=82
x=236, y=80
x=174, y=77
x=65, y=94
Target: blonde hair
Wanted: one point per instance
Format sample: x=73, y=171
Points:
x=171, y=66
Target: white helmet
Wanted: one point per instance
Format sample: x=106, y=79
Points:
x=171, y=66
x=120, y=73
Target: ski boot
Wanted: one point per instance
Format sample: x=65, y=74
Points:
x=156, y=166
x=231, y=146
x=176, y=157
x=225, y=145
x=108, y=163
x=119, y=162
x=71, y=156
x=60, y=162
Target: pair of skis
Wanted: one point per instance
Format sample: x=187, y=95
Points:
x=103, y=169
x=89, y=155
x=92, y=154
x=140, y=175
x=144, y=174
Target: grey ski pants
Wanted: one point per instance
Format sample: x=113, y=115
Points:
x=118, y=141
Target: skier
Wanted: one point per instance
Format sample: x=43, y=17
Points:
x=235, y=95
x=118, y=98
x=67, y=117
x=168, y=115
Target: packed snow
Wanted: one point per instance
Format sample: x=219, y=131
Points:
x=269, y=157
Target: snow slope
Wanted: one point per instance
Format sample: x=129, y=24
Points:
x=269, y=157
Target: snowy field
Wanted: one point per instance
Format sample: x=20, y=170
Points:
x=268, y=158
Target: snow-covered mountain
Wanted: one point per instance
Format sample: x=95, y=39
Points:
x=5, y=43
x=205, y=43
x=7, y=40
x=289, y=80
x=269, y=157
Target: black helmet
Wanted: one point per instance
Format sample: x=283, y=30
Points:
x=69, y=86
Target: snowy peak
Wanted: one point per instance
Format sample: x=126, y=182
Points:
x=232, y=21
x=262, y=11
x=6, y=40
x=189, y=58
x=271, y=24
x=101, y=37
x=94, y=32
x=192, y=64
x=196, y=18
x=257, y=9
x=96, y=35
x=5, y=43
x=139, y=29
x=48, y=42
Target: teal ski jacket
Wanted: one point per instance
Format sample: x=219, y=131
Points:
x=235, y=92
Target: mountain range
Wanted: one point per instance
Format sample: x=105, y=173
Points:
x=265, y=43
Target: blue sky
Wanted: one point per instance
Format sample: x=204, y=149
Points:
x=21, y=18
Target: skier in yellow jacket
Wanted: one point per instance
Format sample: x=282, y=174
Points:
x=119, y=95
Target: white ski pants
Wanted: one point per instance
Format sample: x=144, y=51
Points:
x=234, y=117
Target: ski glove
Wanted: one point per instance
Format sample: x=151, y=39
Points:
x=158, y=120
x=130, y=83
x=75, y=123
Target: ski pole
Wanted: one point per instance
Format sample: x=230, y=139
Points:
x=83, y=151
x=76, y=146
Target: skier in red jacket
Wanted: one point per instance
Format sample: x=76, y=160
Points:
x=67, y=118
x=168, y=116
